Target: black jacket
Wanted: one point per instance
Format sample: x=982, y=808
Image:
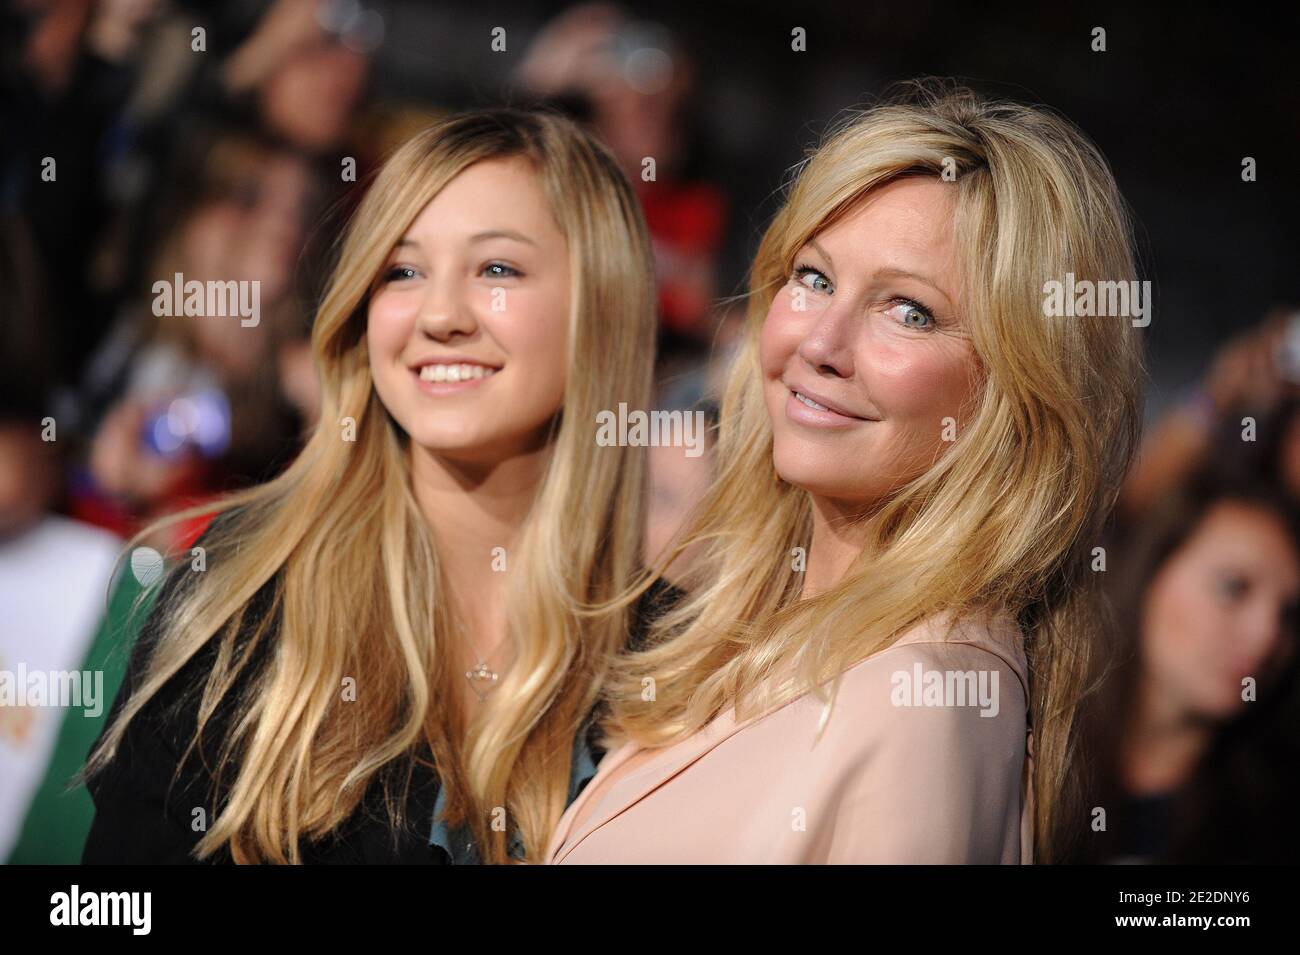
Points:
x=142, y=817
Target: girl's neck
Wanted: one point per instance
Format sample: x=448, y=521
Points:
x=476, y=512
x=470, y=502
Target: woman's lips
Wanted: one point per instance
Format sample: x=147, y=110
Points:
x=804, y=408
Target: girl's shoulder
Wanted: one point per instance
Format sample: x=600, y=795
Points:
x=154, y=762
x=183, y=689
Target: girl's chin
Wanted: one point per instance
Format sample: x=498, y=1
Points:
x=481, y=448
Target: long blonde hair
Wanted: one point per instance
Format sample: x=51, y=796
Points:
x=359, y=591
x=1005, y=520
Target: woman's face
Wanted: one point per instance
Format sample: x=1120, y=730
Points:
x=1219, y=610
x=476, y=293
x=863, y=352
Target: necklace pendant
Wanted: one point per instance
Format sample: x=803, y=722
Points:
x=482, y=678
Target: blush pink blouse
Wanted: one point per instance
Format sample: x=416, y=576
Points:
x=926, y=758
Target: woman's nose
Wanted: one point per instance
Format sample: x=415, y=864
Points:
x=827, y=344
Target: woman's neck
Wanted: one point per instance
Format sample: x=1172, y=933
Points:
x=837, y=539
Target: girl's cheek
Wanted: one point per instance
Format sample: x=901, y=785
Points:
x=386, y=322
x=527, y=328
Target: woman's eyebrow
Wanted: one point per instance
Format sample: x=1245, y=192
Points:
x=890, y=272
x=905, y=274
x=822, y=252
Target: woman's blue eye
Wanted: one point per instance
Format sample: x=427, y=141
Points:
x=803, y=272
x=916, y=315
x=399, y=272
x=499, y=270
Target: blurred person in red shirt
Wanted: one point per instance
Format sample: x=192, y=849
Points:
x=631, y=81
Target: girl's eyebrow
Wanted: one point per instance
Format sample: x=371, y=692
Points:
x=409, y=242
x=501, y=234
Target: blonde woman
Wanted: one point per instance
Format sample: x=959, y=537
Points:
x=883, y=661
x=398, y=626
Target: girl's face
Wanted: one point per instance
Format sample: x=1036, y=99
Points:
x=468, y=326
x=863, y=351
x=1220, y=609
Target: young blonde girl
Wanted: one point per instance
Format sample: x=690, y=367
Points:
x=309, y=667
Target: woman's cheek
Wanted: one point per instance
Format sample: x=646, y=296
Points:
x=779, y=336
x=924, y=388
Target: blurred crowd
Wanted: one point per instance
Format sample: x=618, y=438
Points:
x=145, y=139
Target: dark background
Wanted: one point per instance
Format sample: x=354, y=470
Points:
x=1180, y=96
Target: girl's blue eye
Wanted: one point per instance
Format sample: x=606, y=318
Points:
x=399, y=272
x=498, y=270
x=820, y=283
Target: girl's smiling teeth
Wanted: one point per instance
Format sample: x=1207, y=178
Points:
x=463, y=372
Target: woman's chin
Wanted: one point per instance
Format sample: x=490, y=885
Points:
x=817, y=483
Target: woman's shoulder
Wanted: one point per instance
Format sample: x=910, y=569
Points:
x=945, y=685
x=946, y=639
x=929, y=751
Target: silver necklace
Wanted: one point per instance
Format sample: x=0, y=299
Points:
x=482, y=679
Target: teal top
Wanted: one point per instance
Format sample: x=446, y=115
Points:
x=459, y=844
